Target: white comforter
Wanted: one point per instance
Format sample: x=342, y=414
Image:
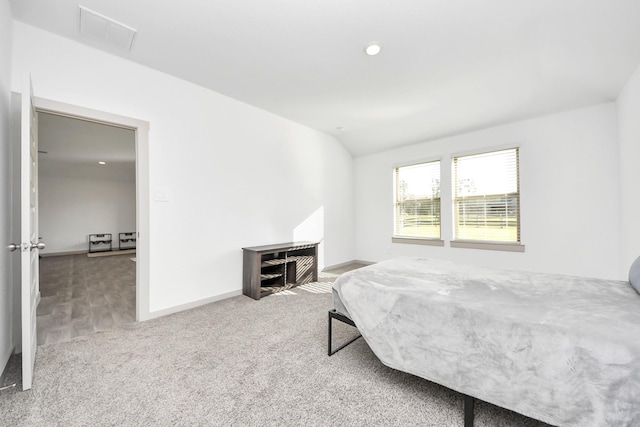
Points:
x=562, y=349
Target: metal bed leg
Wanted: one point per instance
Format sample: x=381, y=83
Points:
x=329, y=335
x=469, y=413
x=333, y=314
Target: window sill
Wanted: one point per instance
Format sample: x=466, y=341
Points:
x=418, y=241
x=492, y=246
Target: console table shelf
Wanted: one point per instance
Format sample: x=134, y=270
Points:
x=271, y=262
x=273, y=268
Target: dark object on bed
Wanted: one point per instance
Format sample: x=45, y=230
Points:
x=561, y=349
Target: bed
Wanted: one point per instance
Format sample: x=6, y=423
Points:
x=561, y=349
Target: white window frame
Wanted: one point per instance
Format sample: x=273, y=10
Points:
x=431, y=241
x=486, y=244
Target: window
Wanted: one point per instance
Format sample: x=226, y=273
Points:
x=486, y=205
x=417, y=201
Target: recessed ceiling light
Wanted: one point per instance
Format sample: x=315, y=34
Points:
x=102, y=163
x=373, y=48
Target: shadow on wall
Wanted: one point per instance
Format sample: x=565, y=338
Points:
x=312, y=229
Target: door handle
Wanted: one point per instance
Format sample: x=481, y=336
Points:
x=13, y=247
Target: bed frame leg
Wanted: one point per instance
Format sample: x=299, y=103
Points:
x=333, y=314
x=329, y=353
x=469, y=413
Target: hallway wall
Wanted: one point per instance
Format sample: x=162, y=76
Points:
x=6, y=285
x=76, y=202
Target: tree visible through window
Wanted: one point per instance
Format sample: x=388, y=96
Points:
x=417, y=200
x=487, y=197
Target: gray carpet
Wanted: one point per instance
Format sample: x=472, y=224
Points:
x=236, y=362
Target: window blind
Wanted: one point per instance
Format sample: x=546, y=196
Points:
x=417, y=200
x=487, y=197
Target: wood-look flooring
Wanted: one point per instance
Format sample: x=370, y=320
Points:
x=82, y=295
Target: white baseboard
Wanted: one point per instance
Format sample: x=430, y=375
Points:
x=45, y=255
x=359, y=261
x=193, y=304
x=90, y=254
x=331, y=267
x=111, y=253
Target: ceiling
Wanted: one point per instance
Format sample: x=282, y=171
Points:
x=72, y=146
x=446, y=67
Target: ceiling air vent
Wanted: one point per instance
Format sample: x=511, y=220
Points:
x=100, y=27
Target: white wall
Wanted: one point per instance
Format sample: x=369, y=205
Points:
x=234, y=175
x=628, y=104
x=6, y=294
x=567, y=161
x=77, y=201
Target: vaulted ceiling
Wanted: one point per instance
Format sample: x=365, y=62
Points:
x=446, y=66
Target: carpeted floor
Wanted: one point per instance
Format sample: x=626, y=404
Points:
x=236, y=362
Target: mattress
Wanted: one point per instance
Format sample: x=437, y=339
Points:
x=338, y=304
x=561, y=349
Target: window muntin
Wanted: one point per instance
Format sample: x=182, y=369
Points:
x=486, y=203
x=417, y=200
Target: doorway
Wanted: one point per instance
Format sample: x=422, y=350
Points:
x=87, y=201
x=139, y=130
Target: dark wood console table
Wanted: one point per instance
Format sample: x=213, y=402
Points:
x=273, y=268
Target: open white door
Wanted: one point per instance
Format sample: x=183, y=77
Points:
x=29, y=231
